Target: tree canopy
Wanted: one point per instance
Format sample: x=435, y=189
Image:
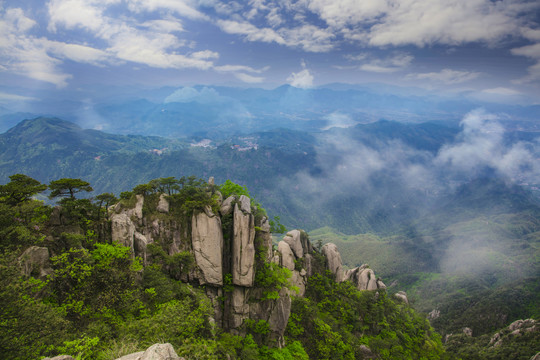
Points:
x=68, y=187
x=20, y=189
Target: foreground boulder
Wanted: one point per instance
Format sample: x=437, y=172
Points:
x=154, y=352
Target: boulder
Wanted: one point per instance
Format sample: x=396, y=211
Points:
x=61, y=357
x=227, y=206
x=266, y=237
x=287, y=256
x=35, y=261
x=434, y=314
x=293, y=239
x=536, y=357
x=154, y=352
x=364, y=278
x=245, y=204
x=243, y=254
x=402, y=295
x=207, y=242
x=123, y=229
x=467, y=331
x=333, y=260
x=163, y=204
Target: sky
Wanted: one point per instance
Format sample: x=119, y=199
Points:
x=487, y=47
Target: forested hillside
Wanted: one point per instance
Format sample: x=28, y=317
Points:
x=104, y=277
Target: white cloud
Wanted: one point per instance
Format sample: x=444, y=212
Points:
x=481, y=144
x=78, y=53
x=501, y=91
x=250, y=31
x=180, y=7
x=302, y=79
x=205, y=54
x=396, y=62
x=533, y=52
x=75, y=13
x=6, y=97
x=446, y=76
x=25, y=55
x=249, y=78
x=164, y=25
x=421, y=22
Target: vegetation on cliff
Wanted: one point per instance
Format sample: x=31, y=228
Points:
x=92, y=298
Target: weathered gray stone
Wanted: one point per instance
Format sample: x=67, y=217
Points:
x=467, y=331
x=61, y=357
x=293, y=239
x=137, y=210
x=333, y=260
x=243, y=255
x=163, y=204
x=239, y=309
x=140, y=242
x=211, y=181
x=402, y=295
x=380, y=284
x=287, y=256
x=279, y=315
x=207, y=242
x=536, y=357
x=123, y=229
x=154, y=352
x=227, y=206
x=299, y=281
x=434, y=314
x=245, y=204
x=308, y=261
x=35, y=261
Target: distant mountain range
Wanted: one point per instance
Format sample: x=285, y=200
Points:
x=220, y=112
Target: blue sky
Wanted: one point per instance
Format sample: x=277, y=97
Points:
x=488, y=48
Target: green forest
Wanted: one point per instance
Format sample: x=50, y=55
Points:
x=91, y=298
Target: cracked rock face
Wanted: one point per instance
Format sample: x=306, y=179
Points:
x=293, y=239
x=333, y=258
x=123, y=229
x=287, y=256
x=243, y=254
x=207, y=241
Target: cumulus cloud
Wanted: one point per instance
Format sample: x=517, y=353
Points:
x=421, y=23
x=348, y=162
x=446, y=76
x=302, y=79
x=26, y=55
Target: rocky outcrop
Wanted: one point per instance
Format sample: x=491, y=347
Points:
x=243, y=249
x=287, y=256
x=61, y=357
x=227, y=206
x=333, y=261
x=154, y=352
x=123, y=229
x=35, y=262
x=163, y=204
x=402, y=295
x=517, y=328
x=293, y=239
x=207, y=242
